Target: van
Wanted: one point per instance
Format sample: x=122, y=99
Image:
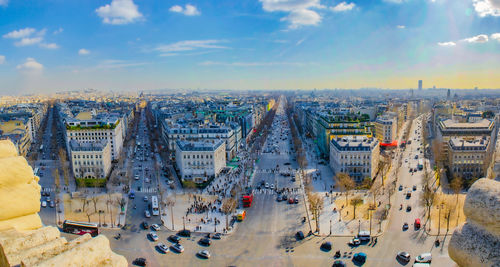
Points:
x=364, y=236
x=424, y=258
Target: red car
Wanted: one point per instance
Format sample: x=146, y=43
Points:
x=290, y=200
x=417, y=223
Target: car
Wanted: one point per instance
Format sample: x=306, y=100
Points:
x=359, y=257
x=174, y=239
x=272, y=186
x=147, y=214
x=414, y=188
x=155, y=227
x=284, y=198
x=145, y=225
x=177, y=248
x=44, y=204
x=408, y=208
x=290, y=200
x=424, y=258
x=404, y=256
x=145, y=198
x=279, y=198
x=47, y=199
x=326, y=246
x=405, y=226
x=162, y=247
x=400, y=187
x=408, y=195
x=417, y=224
x=287, y=163
x=204, y=254
x=52, y=204
x=296, y=200
x=205, y=242
x=354, y=242
x=136, y=177
x=184, y=233
x=267, y=185
x=217, y=236
x=153, y=236
x=139, y=262
x=339, y=263
x=299, y=235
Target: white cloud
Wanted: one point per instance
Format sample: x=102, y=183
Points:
x=487, y=7
x=189, y=45
x=300, y=41
x=30, y=65
x=119, y=12
x=495, y=36
x=482, y=38
x=188, y=10
x=58, y=31
x=300, y=13
x=117, y=64
x=401, y=26
x=343, y=6
x=28, y=41
x=4, y=2
x=2, y=59
x=49, y=46
x=19, y=33
x=83, y=51
x=447, y=44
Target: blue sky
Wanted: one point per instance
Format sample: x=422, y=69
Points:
x=56, y=45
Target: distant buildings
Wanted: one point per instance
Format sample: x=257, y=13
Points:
x=200, y=161
x=357, y=156
x=419, y=85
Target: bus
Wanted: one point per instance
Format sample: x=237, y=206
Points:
x=155, y=210
x=420, y=165
x=80, y=228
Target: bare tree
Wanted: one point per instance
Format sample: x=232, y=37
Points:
x=346, y=184
x=228, y=207
x=427, y=199
x=57, y=181
x=355, y=202
x=437, y=151
x=456, y=185
x=375, y=190
x=316, y=206
x=171, y=204
x=94, y=200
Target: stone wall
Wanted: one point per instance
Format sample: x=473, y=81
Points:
x=477, y=242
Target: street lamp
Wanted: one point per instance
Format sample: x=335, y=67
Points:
x=330, y=226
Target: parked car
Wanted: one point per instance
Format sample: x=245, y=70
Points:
x=354, y=242
x=155, y=227
x=145, y=198
x=139, y=262
x=408, y=208
x=204, y=254
x=299, y=235
x=417, y=223
x=217, y=236
x=424, y=258
x=153, y=236
x=44, y=204
x=296, y=200
x=339, y=263
x=205, y=242
x=147, y=214
x=174, y=238
x=404, y=256
x=326, y=246
x=162, y=247
x=290, y=200
x=359, y=257
x=184, y=233
x=405, y=226
x=145, y=225
x=177, y=248
x=400, y=187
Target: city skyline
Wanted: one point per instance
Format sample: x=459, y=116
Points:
x=264, y=44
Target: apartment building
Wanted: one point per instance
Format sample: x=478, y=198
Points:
x=447, y=129
x=200, y=161
x=386, y=129
x=469, y=156
x=90, y=159
x=357, y=156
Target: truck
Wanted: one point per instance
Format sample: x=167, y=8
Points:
x=247, y=199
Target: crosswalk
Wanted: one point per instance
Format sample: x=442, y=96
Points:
x=148, y=190
x=48, y=189
x=267, y=191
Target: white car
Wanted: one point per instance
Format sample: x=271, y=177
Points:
x=147, y=214
x=155, y=227
x=267, y=185
x=136, y=177
x=272, y=186
x=153, y=236
x=44, y=204
x=424, y=258
x=162, y=247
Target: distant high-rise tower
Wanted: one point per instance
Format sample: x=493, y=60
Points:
x=419, y=84
x=448, y=95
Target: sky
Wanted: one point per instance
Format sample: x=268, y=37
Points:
x=58, y=45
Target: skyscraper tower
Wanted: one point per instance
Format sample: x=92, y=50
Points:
x=419, y=84
x=448, y=95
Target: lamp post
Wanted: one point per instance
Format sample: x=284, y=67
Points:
x=330, y=227
x=183, y=223
x=440, y=207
